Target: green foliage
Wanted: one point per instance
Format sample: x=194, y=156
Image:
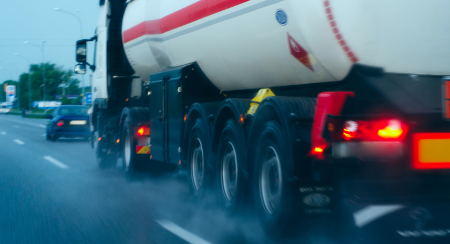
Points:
x=55, y=76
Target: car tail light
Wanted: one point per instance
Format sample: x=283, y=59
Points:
x=376, y=130
x=60, y=123
x=143, y=131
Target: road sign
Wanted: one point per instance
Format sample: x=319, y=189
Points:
x=88, y=97
x=11, y=93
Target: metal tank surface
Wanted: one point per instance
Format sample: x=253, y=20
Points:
x=243, y=44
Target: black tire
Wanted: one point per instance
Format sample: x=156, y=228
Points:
x=230, y=179
x=132, y=162
x=199, y=174
x=273, y=195
x=53, y=136
x=47, y=136
x=104, y=160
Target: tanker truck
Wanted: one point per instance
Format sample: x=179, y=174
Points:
x=305, y=109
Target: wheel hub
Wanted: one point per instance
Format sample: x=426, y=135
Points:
x=127, y=149
x=229, y=170
x=197, y=161
x=271, y=181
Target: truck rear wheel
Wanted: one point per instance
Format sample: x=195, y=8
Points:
x=273, y=198
x=103, y=159
x=231, y=154
x=131, y=161
x=198, y=154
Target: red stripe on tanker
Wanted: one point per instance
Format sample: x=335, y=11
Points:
x=337, y=33
x=182, y=17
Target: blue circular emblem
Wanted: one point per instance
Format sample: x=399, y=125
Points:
x=281, y=17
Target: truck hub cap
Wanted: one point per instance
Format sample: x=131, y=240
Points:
x=271, y=181
x=229, y=172
x=197, y=169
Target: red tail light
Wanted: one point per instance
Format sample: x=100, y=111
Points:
x=143, y=131
x=60, y=123
x=392, y=131
x=378, y=130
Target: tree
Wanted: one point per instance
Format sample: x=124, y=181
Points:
x=55, y=76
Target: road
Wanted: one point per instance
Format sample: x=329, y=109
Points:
x=53, y=192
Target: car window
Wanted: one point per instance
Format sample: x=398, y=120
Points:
x=65, y=111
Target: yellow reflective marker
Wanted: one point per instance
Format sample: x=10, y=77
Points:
x=262, y=94
x=142, y=150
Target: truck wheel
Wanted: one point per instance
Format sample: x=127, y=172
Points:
x=273, y=198
x=231, y=154
x=198, y=154
x=131, y=161
x=103, y=160
x=53, y=136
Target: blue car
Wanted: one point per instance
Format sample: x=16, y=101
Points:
x=68, y=121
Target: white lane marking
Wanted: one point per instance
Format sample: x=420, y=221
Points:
x=3, y=133
x=373, y=212
x=56, y=162
x=19, y=142
x=180, y=232
x=42, y=126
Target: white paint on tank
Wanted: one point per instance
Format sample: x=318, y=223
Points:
x=168, y=7
x=245, y=47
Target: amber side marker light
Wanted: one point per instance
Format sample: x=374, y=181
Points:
x=99, y=139
x=185, y=117
x=241, y=119
x=118, y=140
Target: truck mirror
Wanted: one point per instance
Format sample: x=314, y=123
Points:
x=81, y=51
x=80, y=69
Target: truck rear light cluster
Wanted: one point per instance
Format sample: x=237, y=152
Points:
x=363, y=130
x=60, y=123
x=143, y=131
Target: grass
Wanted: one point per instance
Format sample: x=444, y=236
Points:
x=35, y=113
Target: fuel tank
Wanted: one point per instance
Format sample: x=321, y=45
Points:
x=247, y=44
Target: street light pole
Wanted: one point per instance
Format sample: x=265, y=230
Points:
x=29, y=80
x=43, y=67
x=81, y=37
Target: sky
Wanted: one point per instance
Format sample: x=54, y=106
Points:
x=37, y=20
